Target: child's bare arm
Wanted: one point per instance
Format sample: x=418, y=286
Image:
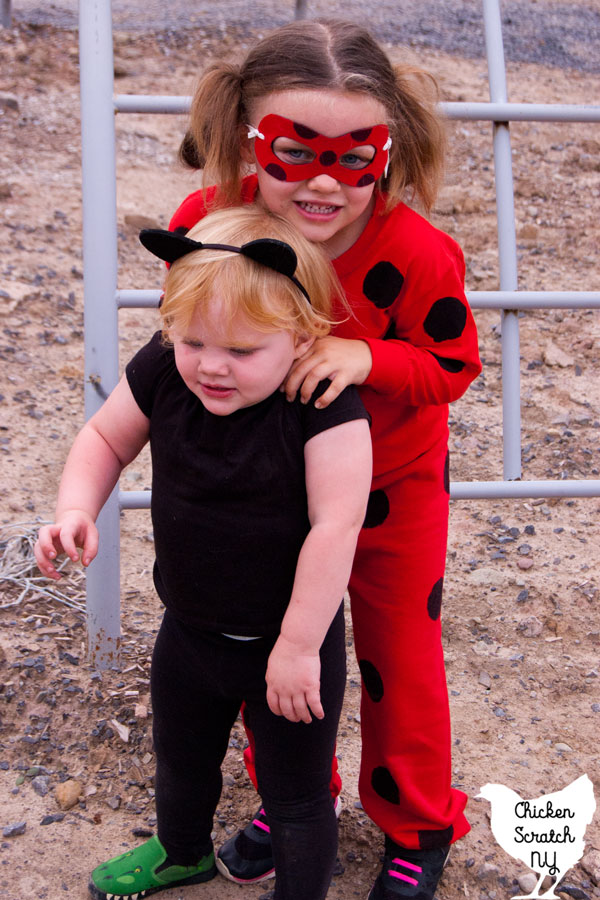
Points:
x=111, y=439
x=338, y=480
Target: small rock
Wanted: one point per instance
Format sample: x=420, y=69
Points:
x=527, y=882
x=14, y=830
x=528, y=232
x=8, y=101
x=591, y=864
x=41, y=784
x=554, y=356
x=524, y=563
x=530, y=627
x=485, y=679
x=563, y=747
x=573, y=891
x=114, y=802
x=487, y=872
x=50, y=820
x=68, y=793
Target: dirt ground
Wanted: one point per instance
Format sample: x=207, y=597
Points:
x=521, y=621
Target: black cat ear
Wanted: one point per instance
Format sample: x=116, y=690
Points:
x=272, y=253
x=167, y=245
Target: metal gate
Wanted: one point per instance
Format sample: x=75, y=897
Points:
x=103, y=299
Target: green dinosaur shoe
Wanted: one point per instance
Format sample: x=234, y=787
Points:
x=144, y=871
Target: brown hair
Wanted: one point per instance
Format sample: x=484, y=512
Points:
x=268, y=300
x=319, y=54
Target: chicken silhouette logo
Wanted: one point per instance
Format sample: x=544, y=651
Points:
x=545, y=833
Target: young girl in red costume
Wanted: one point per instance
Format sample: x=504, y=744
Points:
x=339, y=139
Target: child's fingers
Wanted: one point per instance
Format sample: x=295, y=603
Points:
x=313, y=699
x=67, y=539
x=90, y=547
x=338, y=384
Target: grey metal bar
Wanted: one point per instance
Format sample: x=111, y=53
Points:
x=137, y=299
x=100, y=282
x=301, y=9
x=489, y=112
x=534, y=299
x=521, y=112
x=459, y=490
x=140, y=299
x=5, y=14
x=134, y=499
x=489, y=490
x=507, y=245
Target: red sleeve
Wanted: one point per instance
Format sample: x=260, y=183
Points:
x=429, y=354
x=196, y=205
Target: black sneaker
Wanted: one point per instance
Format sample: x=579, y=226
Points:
x=246, y=858
x=409, y=874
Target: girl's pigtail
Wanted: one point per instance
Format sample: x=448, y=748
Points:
x=418, y=138
x=213, y=140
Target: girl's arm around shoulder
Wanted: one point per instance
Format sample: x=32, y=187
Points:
x=110, y=440
x=338, y=479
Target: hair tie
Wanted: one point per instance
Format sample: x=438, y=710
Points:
x=253, y=132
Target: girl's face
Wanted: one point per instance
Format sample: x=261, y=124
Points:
x=230, y=372
x=325, y=210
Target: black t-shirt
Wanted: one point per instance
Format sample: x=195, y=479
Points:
x=229, y=505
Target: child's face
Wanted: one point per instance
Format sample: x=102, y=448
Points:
x=325, y=210
x=230, y=372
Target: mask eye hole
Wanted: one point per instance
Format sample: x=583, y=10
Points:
x=358, y=158
x=291, y=152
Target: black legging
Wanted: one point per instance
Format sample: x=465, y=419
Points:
x=199, y=681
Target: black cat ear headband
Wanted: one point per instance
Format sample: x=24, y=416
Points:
x=277, y=255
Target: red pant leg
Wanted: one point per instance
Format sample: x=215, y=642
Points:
x=395, y=591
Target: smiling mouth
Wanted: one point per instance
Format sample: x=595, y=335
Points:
x=215, y=388
x=317, y=208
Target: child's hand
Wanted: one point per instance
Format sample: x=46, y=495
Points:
x=74, y=529
x=293, y=682
x=341, y=360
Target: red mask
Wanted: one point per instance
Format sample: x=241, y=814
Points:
x=320, y=155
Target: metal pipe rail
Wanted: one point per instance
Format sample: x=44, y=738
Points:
x=521, y=300
x=485, y=112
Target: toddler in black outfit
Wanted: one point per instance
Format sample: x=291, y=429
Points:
x=257, y=503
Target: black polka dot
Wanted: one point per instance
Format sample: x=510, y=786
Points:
x=450, y=365
x=371, y=679
x=327, y=158
x=276, y=171
x=447, y=473
x=361, y=135
x=364, y=180
x=430, y=840
x=382, y=284
x=378, y=509
x=434, y=601
x=446, y=319
x=384, y=785
x=181, y=229
x=390, y=332
x=304, y=132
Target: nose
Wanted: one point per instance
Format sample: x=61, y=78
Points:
x=325, y=184
x=213, y=362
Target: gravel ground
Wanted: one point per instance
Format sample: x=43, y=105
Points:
x=563, y=35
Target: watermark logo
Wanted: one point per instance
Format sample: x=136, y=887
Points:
x=547, y=833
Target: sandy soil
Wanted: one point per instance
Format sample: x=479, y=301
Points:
x=521, y=624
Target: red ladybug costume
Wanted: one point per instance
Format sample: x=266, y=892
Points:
x=404, y=281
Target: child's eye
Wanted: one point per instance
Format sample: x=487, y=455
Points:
x=290, y=152
x=190, y=342
x=358, y=158
x=242, y=351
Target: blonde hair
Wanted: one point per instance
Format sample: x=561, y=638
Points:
x=319, y=54
x=268, y=300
